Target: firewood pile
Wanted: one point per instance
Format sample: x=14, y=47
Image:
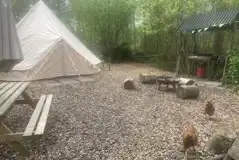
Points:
x=185, y=88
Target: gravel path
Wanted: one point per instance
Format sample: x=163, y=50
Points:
x=101, y=120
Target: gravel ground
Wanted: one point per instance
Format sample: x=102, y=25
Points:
x=101, y=120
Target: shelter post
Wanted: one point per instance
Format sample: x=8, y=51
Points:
x=230, y=49
x=179, y=54
x=194, y=43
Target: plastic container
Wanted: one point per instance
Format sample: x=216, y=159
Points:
x=201, y=72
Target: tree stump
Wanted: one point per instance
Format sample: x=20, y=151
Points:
x=187, y=91
x=185, y=81
x=129, y=84
x=147, y=79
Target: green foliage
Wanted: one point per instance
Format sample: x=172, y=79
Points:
x=21, y=7
x=104, y=23
x=233, y=67
x=146, y=26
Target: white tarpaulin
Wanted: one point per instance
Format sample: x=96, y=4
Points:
x=49, y=49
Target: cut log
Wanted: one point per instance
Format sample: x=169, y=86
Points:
x=147, y=78
x=129, y=84
x=186, y=81
x=187, y=91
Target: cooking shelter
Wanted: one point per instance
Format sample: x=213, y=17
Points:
x=205, y=64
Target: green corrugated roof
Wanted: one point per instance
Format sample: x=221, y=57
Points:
x=209, y=20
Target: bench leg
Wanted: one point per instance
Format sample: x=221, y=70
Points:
x=174, y=87
x=159, y=86
x=23, y=101
x=28, y=99
x=18, y=146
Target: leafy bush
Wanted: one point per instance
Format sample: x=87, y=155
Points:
x=233, y=67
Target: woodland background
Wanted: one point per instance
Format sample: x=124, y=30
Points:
x=139, y=30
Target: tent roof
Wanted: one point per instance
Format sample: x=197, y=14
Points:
x=204, y=21
x=39, y=30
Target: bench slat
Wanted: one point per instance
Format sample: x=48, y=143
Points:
x=5, y=88
x=35, y=117
x=42, y=122
x=10, y=96
x=3, y=85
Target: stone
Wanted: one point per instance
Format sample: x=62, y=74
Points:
x=129, y=84
x=219, y=144
x=234, y=150
x=218, y=157
x=227, y=157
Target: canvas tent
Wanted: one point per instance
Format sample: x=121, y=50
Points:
x=49, y=49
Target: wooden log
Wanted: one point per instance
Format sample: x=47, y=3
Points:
x=129, y=84
x=187, y=91
x=186, y=81
x=147, y=79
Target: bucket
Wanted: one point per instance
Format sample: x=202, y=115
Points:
x=201, y=72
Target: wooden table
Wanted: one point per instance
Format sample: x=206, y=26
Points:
x=166, y=80
x=9, y=93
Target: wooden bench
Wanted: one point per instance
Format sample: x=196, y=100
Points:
x=38, y=119
x=9, y=92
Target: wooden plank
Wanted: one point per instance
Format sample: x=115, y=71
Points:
x=15, y=144
x=11, y=137
x=42, y=122
x=6, y=88
x=28, y=99
x=35, y=117
x=10, y=101
x=9, y=90
x=23, y=101
x=3, y=85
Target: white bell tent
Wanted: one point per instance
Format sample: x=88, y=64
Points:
x=49, y=49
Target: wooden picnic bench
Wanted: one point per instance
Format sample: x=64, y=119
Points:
x=166, y=80
x=9, y=93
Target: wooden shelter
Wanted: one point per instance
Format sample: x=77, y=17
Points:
x=213, y=21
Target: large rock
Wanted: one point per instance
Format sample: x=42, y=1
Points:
x=129, y=84
x=227, y=157
x=219, y=144
x=218, y=157
x=233, y=152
